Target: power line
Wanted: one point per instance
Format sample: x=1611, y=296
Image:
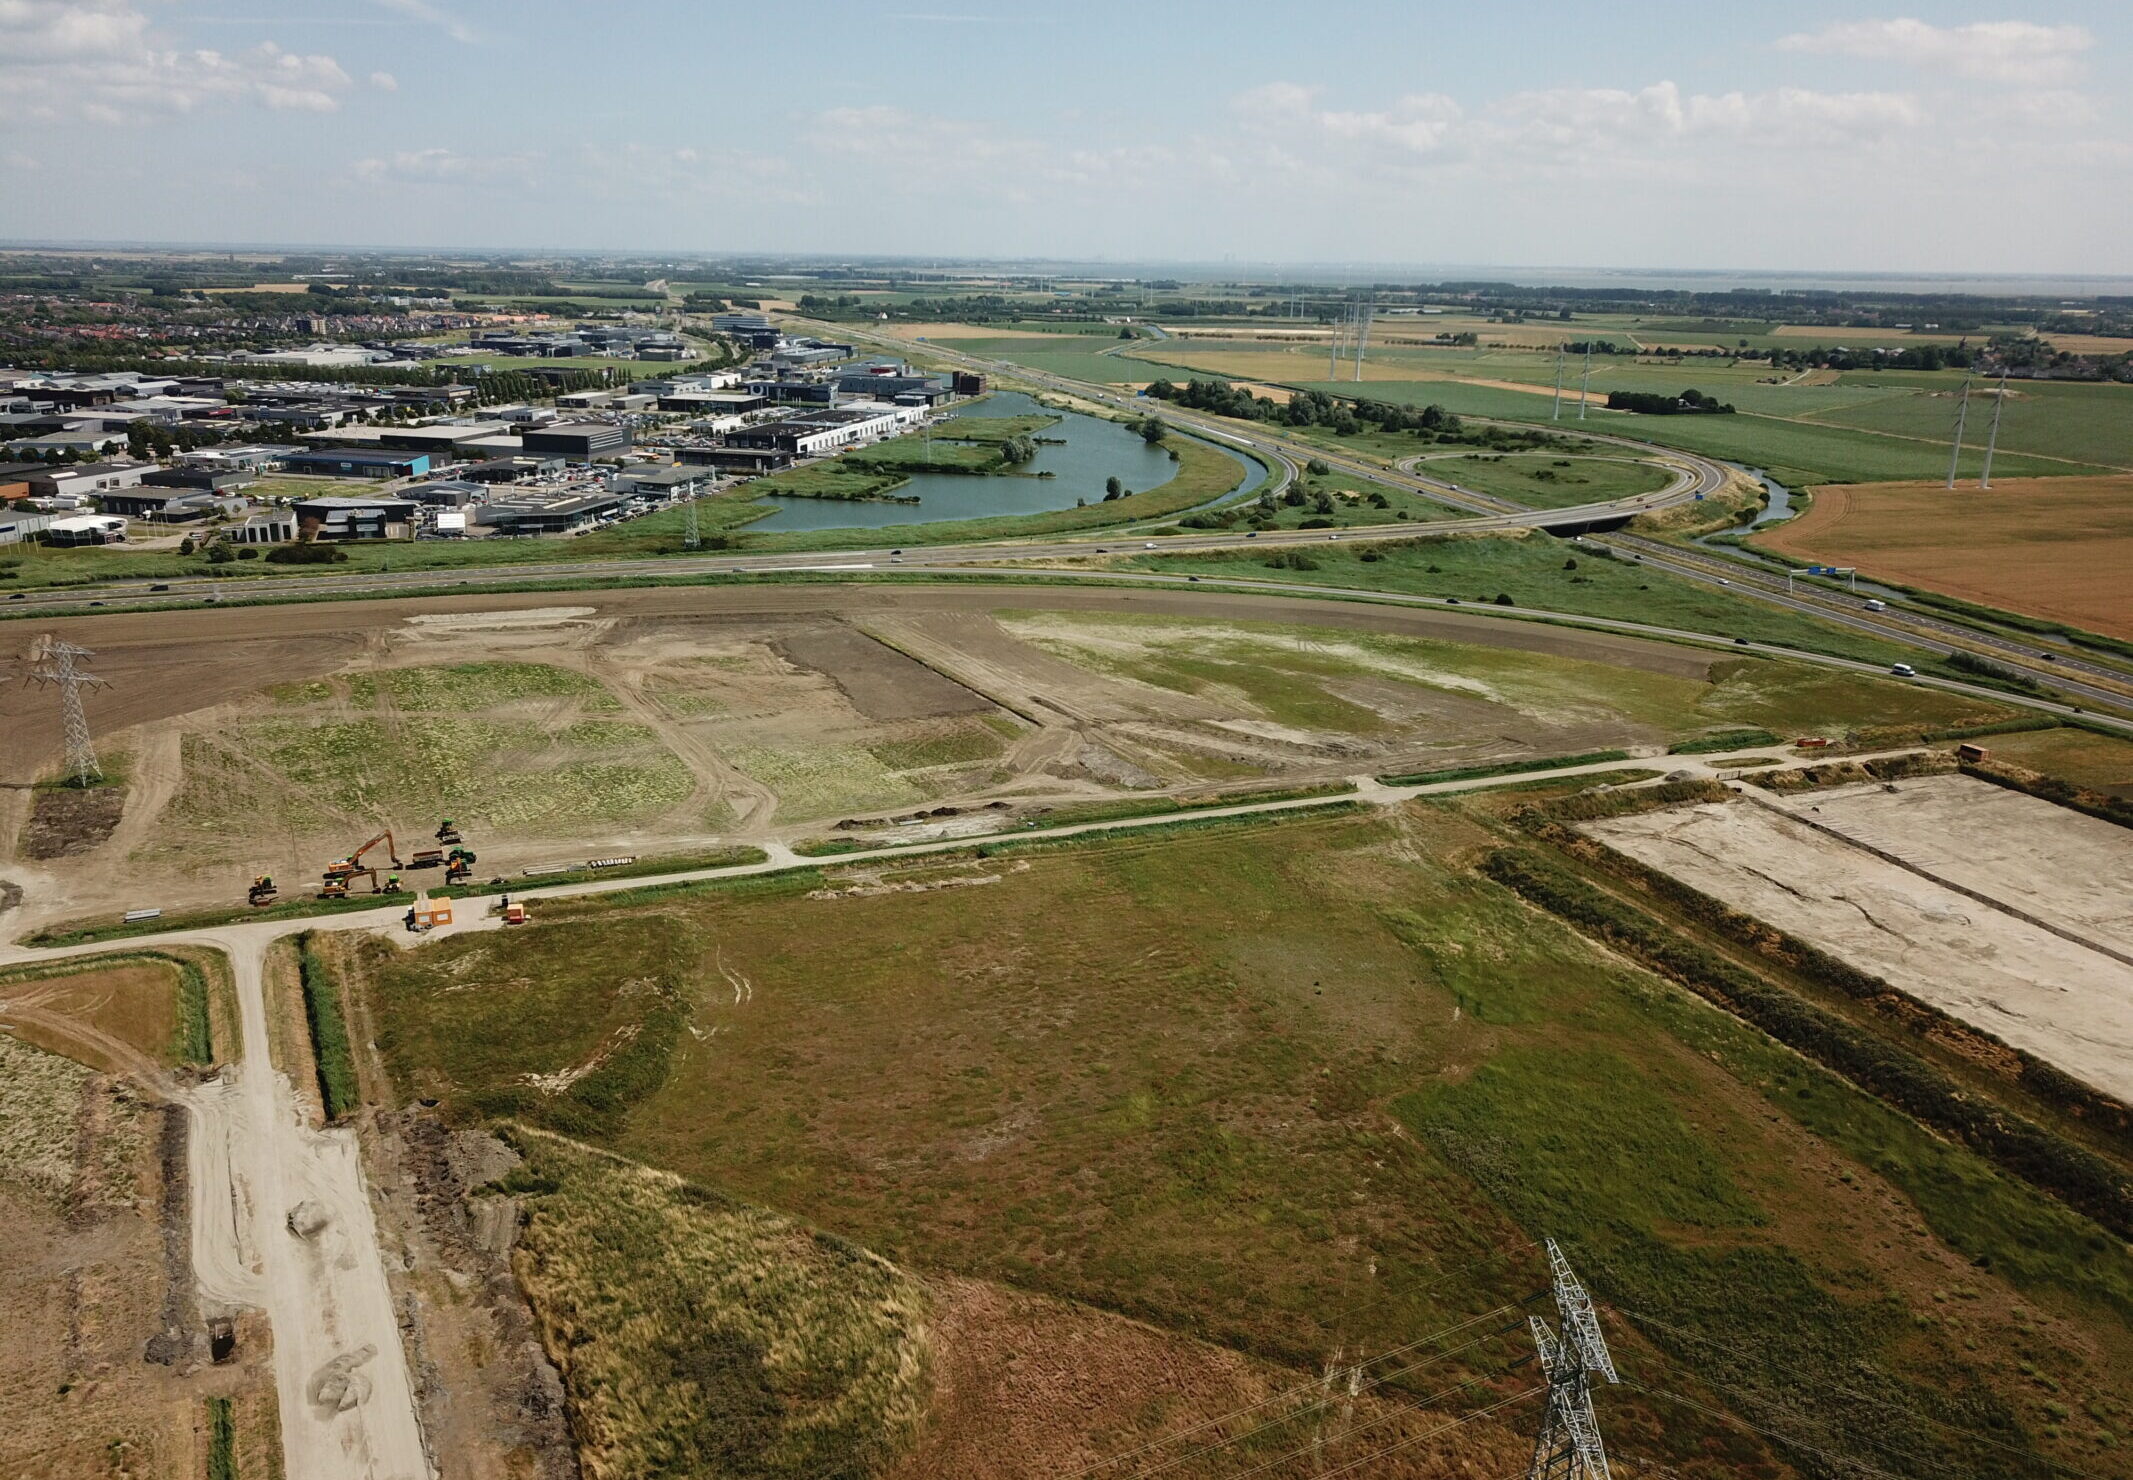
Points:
x=1410, y=1442
x=1851, y=1462
x=1221, y=1418
x=1354, y=1390
x=1794, y=1374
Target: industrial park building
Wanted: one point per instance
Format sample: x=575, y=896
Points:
x=581, y=440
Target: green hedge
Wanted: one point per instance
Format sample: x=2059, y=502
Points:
x=329, y=1032
x=221, y=1439
x=2078, y=1177
x=196, y=1038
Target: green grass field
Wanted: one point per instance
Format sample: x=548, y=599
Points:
x=1532, y=571
x=1544, y=480
x=1048, y=353
x=1299, y=1089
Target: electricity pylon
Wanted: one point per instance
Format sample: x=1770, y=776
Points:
x=52, y=661
x=1999, y=402
x=1557, y=414
x=1585, y=385
x=1962, y=415
x=1569, y=1446
x=691, y=537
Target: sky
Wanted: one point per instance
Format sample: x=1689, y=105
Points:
x=1937, y=137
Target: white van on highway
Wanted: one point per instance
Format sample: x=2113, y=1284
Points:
x=1876, y=604
x=1903, y=670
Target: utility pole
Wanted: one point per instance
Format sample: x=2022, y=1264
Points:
x=1362, y=338
x=1558, y=413
x=53, y=661
x=1585, y=385
x=1569, y=1446
x=1999, y=402
x=1962, y=415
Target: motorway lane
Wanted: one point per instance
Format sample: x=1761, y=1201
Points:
x=1696, y=477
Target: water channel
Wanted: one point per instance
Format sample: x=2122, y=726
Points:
x=1083, y=452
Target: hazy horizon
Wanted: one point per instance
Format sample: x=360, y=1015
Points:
x=1933, y=139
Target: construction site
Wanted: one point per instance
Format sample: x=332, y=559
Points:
x=1194, y=1035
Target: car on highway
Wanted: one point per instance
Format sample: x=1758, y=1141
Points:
x=1903, y=670
x=159, y=586
x=1876, y=604
x=1150, y=545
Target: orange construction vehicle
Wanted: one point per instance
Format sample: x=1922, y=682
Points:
x=342, y=872
x=262, y=891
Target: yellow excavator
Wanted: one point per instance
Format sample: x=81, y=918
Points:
x=343, y=872
x=262, y=891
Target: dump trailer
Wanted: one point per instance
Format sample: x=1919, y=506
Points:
x=426, y=858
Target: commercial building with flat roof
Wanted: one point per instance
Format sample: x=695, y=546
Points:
x=550, y=516
x=350, y=462
x=581, y=440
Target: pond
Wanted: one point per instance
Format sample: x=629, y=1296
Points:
x=1085, y=450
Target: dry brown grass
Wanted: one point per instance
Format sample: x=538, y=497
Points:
x=2059, y=548
x=702, y=1335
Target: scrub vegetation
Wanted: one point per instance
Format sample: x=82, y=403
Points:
x=1293, y=1087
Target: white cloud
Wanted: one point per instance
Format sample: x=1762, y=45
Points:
x=384, y=82
x=1995, y=51
x=100, y=60
x=440, y=166
x=434, y=15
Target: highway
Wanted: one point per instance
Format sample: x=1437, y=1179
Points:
x=1694, y=477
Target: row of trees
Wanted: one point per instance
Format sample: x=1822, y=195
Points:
x=1688, y=403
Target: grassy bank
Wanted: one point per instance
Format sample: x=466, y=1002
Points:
x=1539, y=571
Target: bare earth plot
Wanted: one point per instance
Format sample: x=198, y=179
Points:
x=2063, y=993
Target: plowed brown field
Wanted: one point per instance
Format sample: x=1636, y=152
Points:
x=2051, y=547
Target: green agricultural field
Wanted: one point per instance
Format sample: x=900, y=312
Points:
x=2090, y=424
x=1299, y=1089
x=1829, y=454
x=1049, y=355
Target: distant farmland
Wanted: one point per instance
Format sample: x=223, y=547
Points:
x=2051, y=547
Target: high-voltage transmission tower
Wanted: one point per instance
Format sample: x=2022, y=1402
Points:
x=1992, y=443
x=1962, y=419
x=691, y=536
x=53, y=661
x=1362, y=337
x=1571, y=1352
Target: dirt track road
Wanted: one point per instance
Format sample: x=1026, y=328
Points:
x=345, y=1415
